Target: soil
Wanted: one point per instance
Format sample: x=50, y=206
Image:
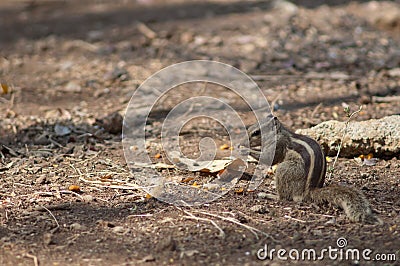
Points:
x=66, y=194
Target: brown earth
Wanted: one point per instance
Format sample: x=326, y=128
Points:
x=65, y=65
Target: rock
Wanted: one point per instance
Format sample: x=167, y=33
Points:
x=95, y=35
x=120, y=230
x=286, y=7
x=112, y=123
x=88, y=198
x=41, y=180
x=117, y=74
x=167, y=244
x=148, y=258
x=72, y=87
x=259, y=209
x=77, y=227
x=61, y=130
x=378, y=136
x=262, y=195
x=48, y=239
x=394, y=72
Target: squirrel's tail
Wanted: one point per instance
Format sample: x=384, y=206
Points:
x=352, y=201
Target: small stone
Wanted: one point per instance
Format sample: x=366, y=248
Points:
x=87, y=198
x=364, y=175
x=365, y=99
x=61, y=130
x=187, y=37
x=41, y=180
x=286, y=7
x=262, y=195
x=77, y=227
x=297, y=237
x=259, y=209
x=120, y=230
x=72, y=87
x=395, y=72
x=112, y=123
x=95, y=35
x=148, y=258
x=48, y=239
x=117, y=73
x=167, y=244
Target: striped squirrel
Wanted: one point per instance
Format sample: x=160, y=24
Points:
x=301, y=170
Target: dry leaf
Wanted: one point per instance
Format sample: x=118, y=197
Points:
x=105, y=178
x=196, y=185
x=239, y=190
x=370, y=162
x=74, y=188
x=157, y=156
x=148, y=196
x=224, y=147
x=220, y=172
x=4, y=87
x=187, y=179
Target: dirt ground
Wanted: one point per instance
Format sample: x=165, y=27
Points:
x=65, y=65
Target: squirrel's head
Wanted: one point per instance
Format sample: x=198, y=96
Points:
x=268, y=128
x=263, y=134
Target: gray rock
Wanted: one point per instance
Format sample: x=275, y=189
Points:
x=378, y=136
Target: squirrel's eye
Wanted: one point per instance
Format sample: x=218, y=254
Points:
x=256, y=132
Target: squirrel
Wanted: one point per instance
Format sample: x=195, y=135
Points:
x=301, y=170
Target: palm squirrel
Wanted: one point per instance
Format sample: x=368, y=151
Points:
x=301, y=171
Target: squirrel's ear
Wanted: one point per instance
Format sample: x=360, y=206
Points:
x=277, y=123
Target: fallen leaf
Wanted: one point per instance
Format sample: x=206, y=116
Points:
x=196, y=185
x=105, y=178
x=74, y=188
x=157, y=156
x=224, y=147
x=187, y=179
x=148, y=196
x=4, y=88
x=239, y=190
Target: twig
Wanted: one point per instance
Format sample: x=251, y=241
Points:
x=191, y=216
x=71, y=192
x=35, y=259
x=146, y=31
x=232, y=220
x=294, y=219
x=58, y=225
x=20, y=184
x=141, y=215
x=273, y=102
x=386, y=99
x=221, y=232
x=347, y=110
x=76, y=170
x=315, y=110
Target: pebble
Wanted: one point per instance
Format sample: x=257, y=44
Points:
x=72, y=87
x=41, y=180
x=77, y=227
x=259, y=209
x=120, y=230
x=262, y=195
